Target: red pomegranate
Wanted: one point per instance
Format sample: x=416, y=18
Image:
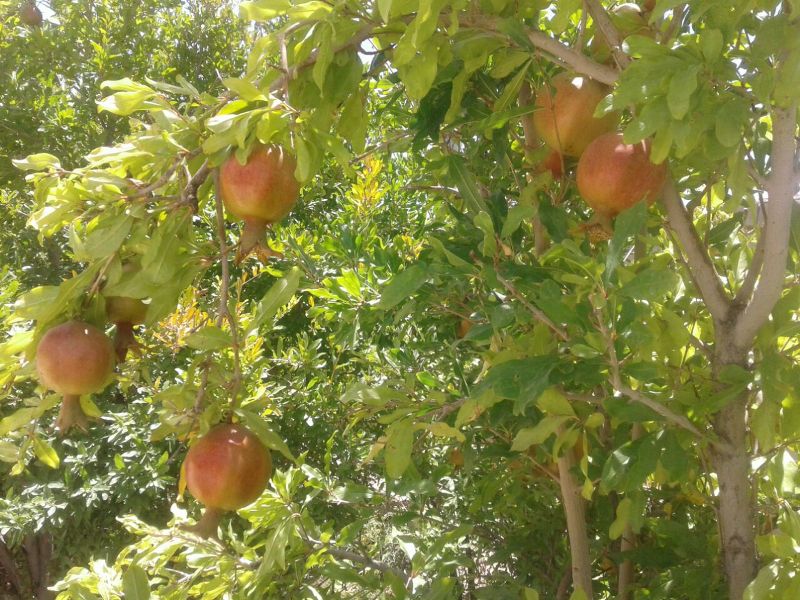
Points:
x=612, y=176
x=226, y=469
x=565, y=116
x=260, y=192
x=30, y=15
x=74, y=359
x=125, y=313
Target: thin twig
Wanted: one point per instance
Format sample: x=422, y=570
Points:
x=224, y=313
x=538, y=314
x=615, y=379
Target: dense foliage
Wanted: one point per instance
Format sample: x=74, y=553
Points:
x=472, y=385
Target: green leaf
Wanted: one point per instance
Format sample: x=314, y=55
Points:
x=681, y=87
x=45, y=453
x=37, y=162
x=279, y=294
x=135, y=584
x=324, y=55
x=627, y=225
x=511, y=91
x=244, y=89
x=731, y=117
x=518, y=214
x=397, y=451
x=484, y=222
x=529, y=436
x=553, y=402
x=651, y=284
x=263, y=10
x=265, y=433
x=9, y=453
x=711, y=44
x=125, y=103
x=419, y=74
x=107, y=237
x=209, y=337
x=385, y=9
x=403, y=285
x=467, y=185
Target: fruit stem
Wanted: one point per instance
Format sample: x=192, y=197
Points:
x=71, y=415
x=252, y=237
x=207, y=525
x=123, y=340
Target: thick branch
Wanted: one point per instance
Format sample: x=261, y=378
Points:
x=749, y=283
x=575, y=513
x=700, y=266
x=781, y=187
x=573, y=59
x=608, y=31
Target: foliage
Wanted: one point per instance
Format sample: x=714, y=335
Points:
x=617, y=372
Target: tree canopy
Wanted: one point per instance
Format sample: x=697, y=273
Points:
x=530, y=330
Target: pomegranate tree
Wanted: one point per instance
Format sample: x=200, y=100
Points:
x=125, y=313
x=74, y=359
x=225, y=470
x=612, y=176
x=565, y=116
x=259, y=192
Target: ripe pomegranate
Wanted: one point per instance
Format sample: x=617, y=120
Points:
x=629, y=19
x=612, y=176
x=456, y=458
x=649, y=5
x=226, y=469
x=125, y=313
x=30, y=14
x=565, y=119
x=463, y=327
x=260, y=192
x=554, y=162
x=73, y=359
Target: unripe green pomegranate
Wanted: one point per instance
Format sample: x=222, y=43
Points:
x=74, y=359
x=227, y=469
x=260, y=192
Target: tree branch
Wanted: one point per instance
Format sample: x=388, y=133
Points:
x=538, y=314
x=224, y=313
x=781, y=187
x=700, y=266
x=749, y=283
x=571, y=58
x=608, y=31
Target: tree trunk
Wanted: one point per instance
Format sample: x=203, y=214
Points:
x=736, y=501
x=575, y=511
x=8, y=567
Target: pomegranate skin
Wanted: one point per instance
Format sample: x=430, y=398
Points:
x=30, y=15
x=74, y=358
x=121, y=309
x=227, y=468
x=612, y=176
x=264, y=188
x=565, y=116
